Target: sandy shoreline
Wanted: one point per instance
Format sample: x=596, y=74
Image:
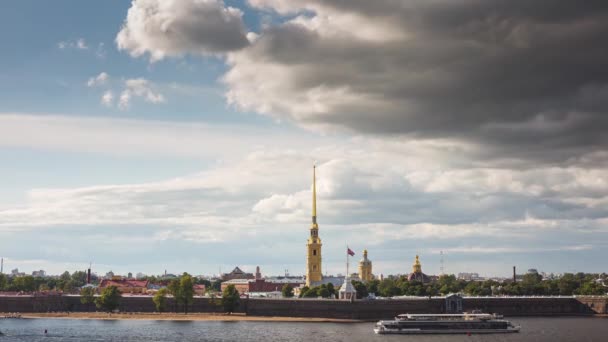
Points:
x=182, y=317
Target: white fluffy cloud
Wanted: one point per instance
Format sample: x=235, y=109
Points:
x=98, y=80
x=131, y=88
x=164, y=28
x=79, y=44
x=139, y=87
x=107, y=98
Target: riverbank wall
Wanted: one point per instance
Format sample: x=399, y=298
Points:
x=361, y=309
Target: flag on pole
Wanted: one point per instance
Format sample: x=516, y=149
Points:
x=350, y=252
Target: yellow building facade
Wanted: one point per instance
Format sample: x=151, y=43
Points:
x=365, y=268
x=313, y=246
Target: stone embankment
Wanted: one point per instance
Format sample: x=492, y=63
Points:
x=361, y=309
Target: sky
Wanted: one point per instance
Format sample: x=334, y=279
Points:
x=180, y=135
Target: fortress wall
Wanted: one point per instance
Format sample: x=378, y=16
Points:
x=596, y=304
x=372, y=309
x=28, y=304
x=542, y=306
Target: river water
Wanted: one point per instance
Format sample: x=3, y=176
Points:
x=32, y=330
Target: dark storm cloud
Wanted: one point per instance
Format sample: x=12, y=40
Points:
x=524, y=78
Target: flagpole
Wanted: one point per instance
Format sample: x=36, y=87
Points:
x=347, y=261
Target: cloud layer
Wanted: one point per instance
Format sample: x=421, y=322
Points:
x=523, y=80
x=528, y=80
x=164, y=28
x=476, y=127
x=394, y=197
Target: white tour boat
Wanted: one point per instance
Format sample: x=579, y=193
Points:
x=477, y=323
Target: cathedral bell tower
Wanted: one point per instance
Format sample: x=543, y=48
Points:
x=313, y=246
x=365, y=268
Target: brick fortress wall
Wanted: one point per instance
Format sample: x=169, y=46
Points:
x=372, y=309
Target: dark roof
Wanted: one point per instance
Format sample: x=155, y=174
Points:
x=421, y=277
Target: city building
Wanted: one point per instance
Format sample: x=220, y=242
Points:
x=237, y=273
x=155, y=287
x=125, y=285
x=417, y=274
x=40, y=274
x=347, y=290
x=262, y=285
x=15, y=273
x=469, y=276
x=199, y=289
x=273, y=294
x=258, y=274
x=241, y=285
x=313, y=245
x=365, y=268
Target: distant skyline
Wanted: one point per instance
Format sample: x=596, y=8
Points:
x=180, y=135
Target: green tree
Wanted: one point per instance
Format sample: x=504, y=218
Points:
x=216, y=285
x=287, y=291
x=64, y=278
x=78, y=278
x=87, y=296
x=303, y=291
x=186, y=289
x=372, y=286
x=591, y=288
x=388, y=288
x=361, y=289
x=3, y=282
x=567, y=284
x=160, y=299
x=25, y=283
x=551, y=287
x=109, y=299
x=472, y=288
x=174, y=289
x=51, y=283
x=68, y=287
x=331, y=289
x=230, y=299
x=432, y=290
x=312, y=292
x=323, y=292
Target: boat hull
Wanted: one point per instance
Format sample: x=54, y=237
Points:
x=444, y=331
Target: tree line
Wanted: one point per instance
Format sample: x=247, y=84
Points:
x=530, y=284
x=181, y=289
x=66, y=282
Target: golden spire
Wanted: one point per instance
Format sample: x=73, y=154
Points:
x=314, y=196
x=417, y=267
